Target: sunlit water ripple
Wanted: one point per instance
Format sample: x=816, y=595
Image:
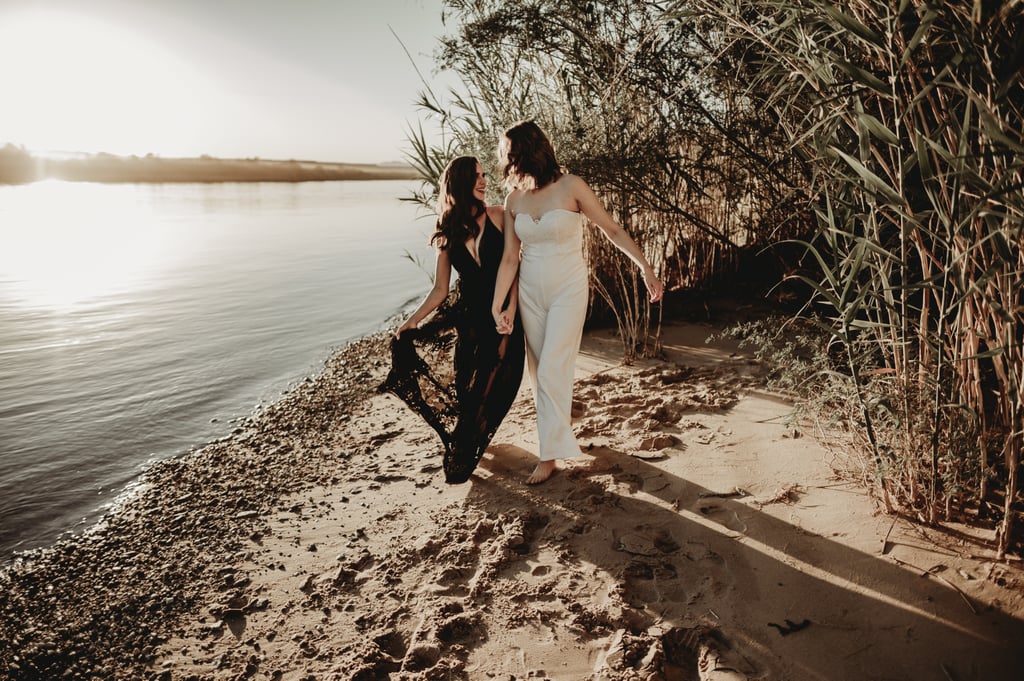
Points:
x=137, y=321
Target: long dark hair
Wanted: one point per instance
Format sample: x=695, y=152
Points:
x=525, y=153
x=457, y=208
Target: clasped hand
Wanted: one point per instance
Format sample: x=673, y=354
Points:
x=503, y=322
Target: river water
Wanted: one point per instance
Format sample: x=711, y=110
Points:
x=139, y=321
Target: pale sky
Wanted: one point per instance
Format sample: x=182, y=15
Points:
x=278, y=79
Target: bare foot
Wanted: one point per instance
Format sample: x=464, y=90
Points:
x=542, y=472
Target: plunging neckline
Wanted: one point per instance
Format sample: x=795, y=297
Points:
x=545, y=213
x=475, y=253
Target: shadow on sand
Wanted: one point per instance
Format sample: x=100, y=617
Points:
x=795, y=604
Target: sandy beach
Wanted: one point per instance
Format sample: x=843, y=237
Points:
x=700, y=535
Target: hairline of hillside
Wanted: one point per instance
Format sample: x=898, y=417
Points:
x=24, y=169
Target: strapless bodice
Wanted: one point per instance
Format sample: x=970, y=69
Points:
x=557, y=232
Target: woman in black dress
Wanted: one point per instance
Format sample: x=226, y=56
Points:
x=456, y=371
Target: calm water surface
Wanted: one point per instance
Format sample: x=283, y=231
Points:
x=138, y=321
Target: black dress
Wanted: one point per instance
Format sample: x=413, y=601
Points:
x=456, y=371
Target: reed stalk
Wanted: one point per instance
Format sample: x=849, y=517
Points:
x=910, y=117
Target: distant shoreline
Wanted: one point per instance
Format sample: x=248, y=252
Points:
x=17, y=166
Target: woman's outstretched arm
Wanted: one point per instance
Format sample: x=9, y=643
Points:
x=592, y=207
x=436, y=295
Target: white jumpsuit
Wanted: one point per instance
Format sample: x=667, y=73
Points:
x=552, y=305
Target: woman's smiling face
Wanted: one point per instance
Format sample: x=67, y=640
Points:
x=480, y=188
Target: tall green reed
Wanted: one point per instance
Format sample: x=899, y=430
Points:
x=910, y=117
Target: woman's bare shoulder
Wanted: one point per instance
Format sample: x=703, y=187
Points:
x=497, y=215
x=571, y=182
x=512, y=199
x=572, y=189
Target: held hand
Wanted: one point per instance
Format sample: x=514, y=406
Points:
x=504, y=323
x=654, y=286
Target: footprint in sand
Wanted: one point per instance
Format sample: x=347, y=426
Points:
x=421, y=656
x=647, y=542
x=723, y=516
x=645, y=582
x=705, y=438
x=463, y=628
x=645, y=570
x=453, y=581
x=702, y=651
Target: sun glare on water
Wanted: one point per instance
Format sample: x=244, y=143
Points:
x=69, y=82
x=65, y=244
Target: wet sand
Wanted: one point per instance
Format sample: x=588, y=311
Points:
x=699, y=536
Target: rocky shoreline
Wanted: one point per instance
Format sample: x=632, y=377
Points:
x=98, y=605
x=698, y=536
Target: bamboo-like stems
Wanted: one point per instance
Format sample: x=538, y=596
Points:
x=915, y=143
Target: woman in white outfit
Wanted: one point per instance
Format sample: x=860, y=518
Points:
x=544, y=240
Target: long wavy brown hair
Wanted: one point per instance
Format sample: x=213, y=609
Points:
x=526, y=157
x=457, y=208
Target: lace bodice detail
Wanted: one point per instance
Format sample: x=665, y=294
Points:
x=557, y=231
